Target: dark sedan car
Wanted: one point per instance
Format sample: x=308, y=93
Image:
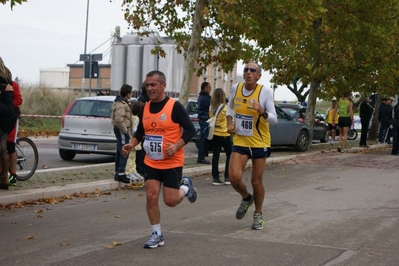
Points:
x=298, y=112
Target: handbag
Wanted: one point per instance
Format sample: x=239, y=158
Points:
x=209, y=127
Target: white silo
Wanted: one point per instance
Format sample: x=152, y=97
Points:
x=130, y=39
x=133, y=67
x=118, y=64
x=150, y=61
x=167, y=66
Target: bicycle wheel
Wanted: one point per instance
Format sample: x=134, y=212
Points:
x=27, y=158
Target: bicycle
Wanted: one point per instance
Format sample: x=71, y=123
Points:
x=27, y=158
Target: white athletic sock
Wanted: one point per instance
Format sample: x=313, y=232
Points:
x=156, y=228
x=185, y=188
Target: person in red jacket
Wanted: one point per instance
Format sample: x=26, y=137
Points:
x=12, y=135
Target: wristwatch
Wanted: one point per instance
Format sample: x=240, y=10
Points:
x=265, y=114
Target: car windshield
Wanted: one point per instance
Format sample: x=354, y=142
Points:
x=91, y=108
x=192, y=107
x=281, y=113
x=289, y=111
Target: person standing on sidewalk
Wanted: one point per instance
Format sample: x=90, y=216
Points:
x=131, y=167
x=252, y=107
x=381, y=129
x=6, y=111
x=12, y=135
x=161, y=122
x=221, y=138
x=345, y=121
x=204, y=101
x=365, y=113
x=121, y=116
x=140, y=154
x=332, y=120
x=395, y=130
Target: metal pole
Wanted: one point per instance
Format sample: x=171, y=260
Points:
x=85, y=48
x=91, y=70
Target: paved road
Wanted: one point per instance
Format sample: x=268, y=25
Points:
x=322, y=209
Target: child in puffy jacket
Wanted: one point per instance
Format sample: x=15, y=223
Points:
x=131, y=171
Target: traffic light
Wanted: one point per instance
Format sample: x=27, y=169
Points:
x=95, y=71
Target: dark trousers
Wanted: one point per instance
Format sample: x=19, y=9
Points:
x=120, y=161
x=365, y=129
x=203, y=143
x=383, y=132
x=395, y=142
x=217, y=143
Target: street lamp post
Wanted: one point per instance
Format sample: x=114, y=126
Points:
x=85, y=48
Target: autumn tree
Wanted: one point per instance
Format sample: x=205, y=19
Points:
x=350, y=46
x=13, y=2
x=332, y=46
x=215, y=33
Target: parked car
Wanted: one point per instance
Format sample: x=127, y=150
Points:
x=86, y=127
x=290, y=132
x=192, y=109
x=298, y=112
x=286, y=132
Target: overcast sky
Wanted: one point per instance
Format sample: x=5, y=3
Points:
x=43, y=34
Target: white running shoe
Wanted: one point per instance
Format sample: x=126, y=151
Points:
x=133, y=178
x=140, y=179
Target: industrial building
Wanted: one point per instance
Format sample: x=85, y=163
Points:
x=131, y=60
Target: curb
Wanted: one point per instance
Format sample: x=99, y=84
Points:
x=104, y=185
x=101, y=185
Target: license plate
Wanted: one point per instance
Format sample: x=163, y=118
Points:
x=88, y=147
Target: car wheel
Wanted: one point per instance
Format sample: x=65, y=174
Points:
x=67, y=155
x=302, y=141
x=326, y=136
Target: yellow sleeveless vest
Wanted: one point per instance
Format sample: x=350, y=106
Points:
x=252, y=130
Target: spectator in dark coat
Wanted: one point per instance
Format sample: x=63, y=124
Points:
x=365, y=113
x=383, y=121
x=204, y=101
x=6, y=112
x=395, y=131
x=140, y=154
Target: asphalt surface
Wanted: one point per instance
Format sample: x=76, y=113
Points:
x=323, y=208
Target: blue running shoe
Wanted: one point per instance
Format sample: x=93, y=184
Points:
x=192, y=191
x=154, y=241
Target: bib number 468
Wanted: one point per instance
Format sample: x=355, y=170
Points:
x=246, y=124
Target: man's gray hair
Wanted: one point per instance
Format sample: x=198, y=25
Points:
x=259, y=66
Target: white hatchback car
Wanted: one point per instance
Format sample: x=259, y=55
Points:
x=86, y=128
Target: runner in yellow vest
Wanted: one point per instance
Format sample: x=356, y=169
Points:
x=345, y=121
x=332, y=120
x=250, y=110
